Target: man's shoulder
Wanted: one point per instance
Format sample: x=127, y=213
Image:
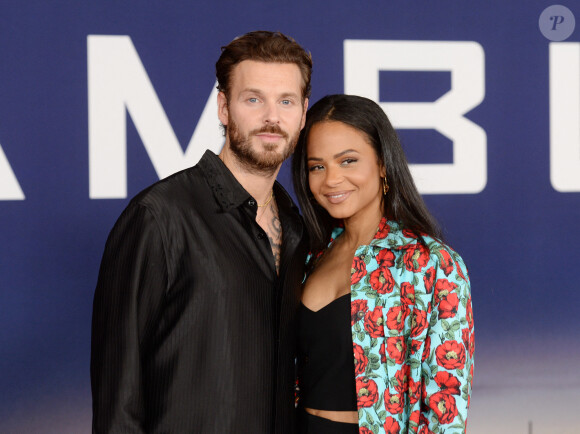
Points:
x=181, y=186
x=178, y=198
x=184, y=184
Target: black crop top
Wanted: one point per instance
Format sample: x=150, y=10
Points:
x=325, y=361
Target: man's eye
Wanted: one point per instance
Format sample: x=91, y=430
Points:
x=253, y=99
x=286, y=102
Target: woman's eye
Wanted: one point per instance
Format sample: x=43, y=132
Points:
x=348, y=161
x=315, y=168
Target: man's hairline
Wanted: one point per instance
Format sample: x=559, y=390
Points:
x=303, y=86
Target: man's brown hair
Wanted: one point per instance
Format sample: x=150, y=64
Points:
x=263, y=46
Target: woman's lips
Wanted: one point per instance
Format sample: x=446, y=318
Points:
x=337, y=197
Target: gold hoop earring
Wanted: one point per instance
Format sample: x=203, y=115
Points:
x=385, y=185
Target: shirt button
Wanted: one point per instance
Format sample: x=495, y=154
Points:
x=252, y=202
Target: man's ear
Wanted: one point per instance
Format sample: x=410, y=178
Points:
x=305, y=109
x=223, y=113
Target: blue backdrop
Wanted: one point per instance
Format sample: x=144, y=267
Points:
x=75, y=75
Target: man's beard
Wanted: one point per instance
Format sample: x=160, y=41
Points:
x=266, y=162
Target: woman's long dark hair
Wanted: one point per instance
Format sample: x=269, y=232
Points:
x=402, y=204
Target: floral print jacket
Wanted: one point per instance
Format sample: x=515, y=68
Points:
x=412, y=332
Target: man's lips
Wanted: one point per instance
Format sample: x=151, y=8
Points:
x=269, y=136
x=337, y=197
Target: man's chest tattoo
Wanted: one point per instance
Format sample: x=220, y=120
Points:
x=274, y=231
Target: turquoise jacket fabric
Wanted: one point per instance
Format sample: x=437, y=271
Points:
x=412, y=332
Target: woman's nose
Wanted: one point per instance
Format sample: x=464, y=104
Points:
x=333, y=176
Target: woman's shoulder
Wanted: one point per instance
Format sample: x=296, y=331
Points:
x=416, y=251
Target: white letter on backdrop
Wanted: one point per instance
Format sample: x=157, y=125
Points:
x=118, y=82
x=565, y=116
x=9, y=186
x=363, y=59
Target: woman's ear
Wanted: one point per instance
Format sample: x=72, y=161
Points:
x=382, y=170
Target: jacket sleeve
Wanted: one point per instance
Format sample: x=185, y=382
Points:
x=132, y=281
x=447, y=367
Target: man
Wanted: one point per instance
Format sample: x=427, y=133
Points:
x=193, y=316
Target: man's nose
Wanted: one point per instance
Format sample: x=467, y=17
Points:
x=271, y=113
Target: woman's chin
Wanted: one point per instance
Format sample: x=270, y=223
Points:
x=338, y=215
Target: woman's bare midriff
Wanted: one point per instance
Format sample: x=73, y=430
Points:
x=336, y=416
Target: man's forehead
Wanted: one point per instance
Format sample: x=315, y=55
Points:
x=264, y=73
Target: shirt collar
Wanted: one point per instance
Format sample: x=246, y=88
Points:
x=230, y=194
x=226, y=189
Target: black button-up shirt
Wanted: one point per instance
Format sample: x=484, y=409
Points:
x=193, y=329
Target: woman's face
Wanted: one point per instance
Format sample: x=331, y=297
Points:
x=344, y=171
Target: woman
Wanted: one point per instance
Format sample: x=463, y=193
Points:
x=378, y=259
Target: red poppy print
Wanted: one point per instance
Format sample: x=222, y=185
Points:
x=425, y=429
x=471, y=376
x=450, y=355
x=418, y=322
x=448, y=306
x=414, y=391
x=414, y=346
x=382, y=281
x=416, y=257
x=397, y=348
x=374, y=322
x=446, y=264
x=383, y=230
x=427, y=349
x=360, y=359
x=367, y=392
x=447, y=383
x=396, y=317
x=385, y=258
x=402, y=376
x=409, y=287
x=444, y=406
x=423, y=392
x=382, y=352
x=469, y=314
x=358, y=270
x=358, y=308
x=469, y=395
x=443, y=288
x=428, y=279
x=318, y=253
x=364, y=430
x=407, y=293
x=414, y=417
x=394, y=403
x=391, y=426
x=460, y=272
x=465, y=336
x=468, y=341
